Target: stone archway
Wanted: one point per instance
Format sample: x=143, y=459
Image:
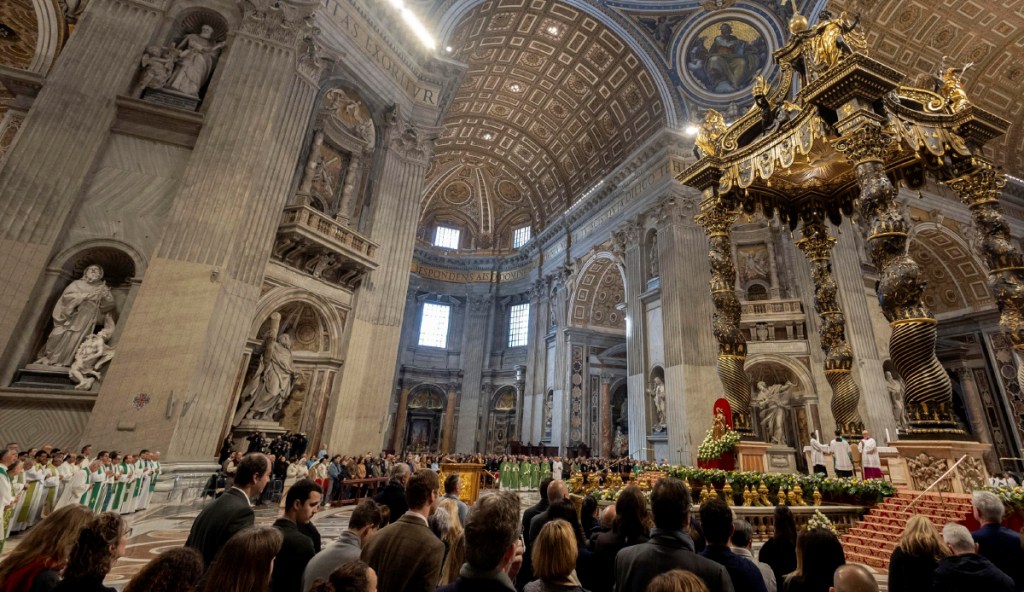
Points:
x=424, y=418
x=501, y=420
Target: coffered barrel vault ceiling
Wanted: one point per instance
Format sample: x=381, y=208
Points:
x=551, y=102
x=541, y=117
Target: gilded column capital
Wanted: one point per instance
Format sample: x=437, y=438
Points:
x=279, y=21
x=979, y=186
x=866, y=142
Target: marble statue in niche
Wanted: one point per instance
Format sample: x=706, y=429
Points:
x=84, y=304
x=92, y=355
x=899, y=408
x=268, y=389
x=658, y=397
x=179, y=70
x=653, y=269
x=771, y=403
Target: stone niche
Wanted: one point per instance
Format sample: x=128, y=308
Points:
x=118, y=271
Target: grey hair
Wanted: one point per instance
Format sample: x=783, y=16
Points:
x=440, y=522
x=988, y=505
x=742, y=533
x=399, y=470
x=957, y=537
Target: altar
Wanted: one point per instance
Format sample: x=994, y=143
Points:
x=469, y=474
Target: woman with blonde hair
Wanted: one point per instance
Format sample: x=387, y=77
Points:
x=677, y=580
x=454, y=542
x=245, y=562
x=554, y=559
x=916, y=555
x=36, y=562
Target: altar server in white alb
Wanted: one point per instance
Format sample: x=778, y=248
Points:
x=818, y=451
x=841, y=455
x=869, y=458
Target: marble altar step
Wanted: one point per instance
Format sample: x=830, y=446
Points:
x=872, y=539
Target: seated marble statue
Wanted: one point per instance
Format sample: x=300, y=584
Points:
x=84, y=304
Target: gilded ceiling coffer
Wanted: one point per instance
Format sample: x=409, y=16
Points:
x=834, y=134
x=817, y=246
x=717, y=217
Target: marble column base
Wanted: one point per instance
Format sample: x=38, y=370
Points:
x=926, y=460
x=658, y=445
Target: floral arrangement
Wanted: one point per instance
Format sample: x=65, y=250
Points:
x=832, y=489
x=820, y=520
x=712, y=448
x=1012, y=497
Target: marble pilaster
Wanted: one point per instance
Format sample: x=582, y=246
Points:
x=691, y=369
x=192, y=314
x=375, y=325
x=472, y=407
x=627, y=240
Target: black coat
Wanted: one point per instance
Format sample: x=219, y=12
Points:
x=969, y=572
x=636, y=566
x=781, y=556
x=908, y=573
x=526, y=569
x=217, y=523
x=295, y=553
x=393, y=496
x=82, y=585
x=1001, y=546
x=606, y=546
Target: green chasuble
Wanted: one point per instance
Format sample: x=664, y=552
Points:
x=6, y=514
x=26, y=507
x=534, y=476
x=92, y=497
x=545, y=471
x=513, y=468
x=506, y=474
x=525, y=474
x=115, y=499
x=575, y=468
x=155, y=465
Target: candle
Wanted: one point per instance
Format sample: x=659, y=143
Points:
x=817, y=436
x=887, y=438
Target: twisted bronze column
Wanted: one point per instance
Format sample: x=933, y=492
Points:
x=979, y=188
x=817, y=246
x=716, y=217
x=929, y=395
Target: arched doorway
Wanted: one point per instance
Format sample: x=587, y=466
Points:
x=501, y=420
x=425, y=414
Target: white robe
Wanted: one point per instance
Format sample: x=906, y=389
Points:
x=869, y=458
x=74, y=489
x=841, y=454
x=818, y=451
x=6, y=499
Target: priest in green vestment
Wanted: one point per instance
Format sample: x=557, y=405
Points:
x=525, y=473
x=513, y=468
x=544, y=470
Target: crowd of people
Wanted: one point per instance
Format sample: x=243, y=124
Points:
x=37, y=482
x=410, y=536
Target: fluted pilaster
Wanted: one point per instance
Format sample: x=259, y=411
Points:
x=627, y=241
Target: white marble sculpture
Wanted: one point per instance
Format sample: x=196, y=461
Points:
x=157, y=67
x=92, y=355
x=771, y=403
x=899, y=408
x=658, y=396
x=85, y=303
x=548, y=409
x=196, y=56
x=267, y=391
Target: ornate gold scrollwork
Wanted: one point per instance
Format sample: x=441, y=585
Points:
x=817, y=246
x=716, y=217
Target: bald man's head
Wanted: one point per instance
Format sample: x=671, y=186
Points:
x=853, y=578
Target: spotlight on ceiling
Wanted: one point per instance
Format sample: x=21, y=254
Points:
x=553, y=30
x=448, y=49
x=488, y=136
x=514, y=87
x=691, y=130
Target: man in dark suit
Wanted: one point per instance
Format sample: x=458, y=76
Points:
x=670, y=546
x=301, y=504
x=406, y=555
x=526, y=571
x=493, y=550
x=557, y=491
x=716, y=518
x=393, y=495
x=232, y=511
x=998, y=544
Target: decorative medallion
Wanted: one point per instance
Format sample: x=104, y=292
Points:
x=723, y=56
x=457, y=193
